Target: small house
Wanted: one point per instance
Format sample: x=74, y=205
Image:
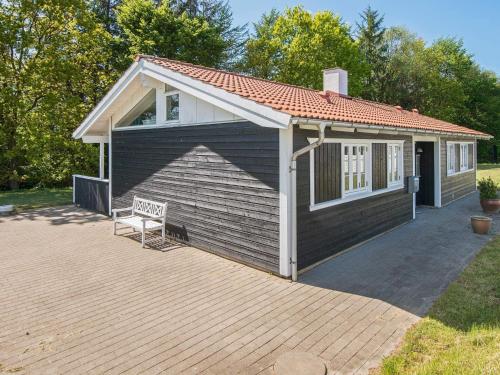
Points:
x=276, y=176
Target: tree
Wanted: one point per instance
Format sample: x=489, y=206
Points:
x=296, y=45
x=51, y=75
x=197, y=32
x=218, y=14
x=370, y=36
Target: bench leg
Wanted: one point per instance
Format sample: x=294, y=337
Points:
x=114, y=228
x=143, y=238
x=163, y=235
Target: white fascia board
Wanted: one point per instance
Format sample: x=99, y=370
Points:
x=95, y=139
x=248, y=109
x=108, y=99
x=387, y=128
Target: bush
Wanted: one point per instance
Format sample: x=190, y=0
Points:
x=487, y=188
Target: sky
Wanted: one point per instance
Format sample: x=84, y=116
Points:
x=477, y=22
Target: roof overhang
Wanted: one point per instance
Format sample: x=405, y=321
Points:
x=248, y=109
x=351, y=126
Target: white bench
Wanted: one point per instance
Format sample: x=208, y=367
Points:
x=145, y=215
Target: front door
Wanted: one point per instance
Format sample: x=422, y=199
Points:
x=424, y=168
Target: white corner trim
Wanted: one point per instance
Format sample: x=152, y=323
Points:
x=248, y=109
x=437, y=172
x=413, y=174
x=285, y=155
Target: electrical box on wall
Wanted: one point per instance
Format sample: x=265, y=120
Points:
x=413, y=184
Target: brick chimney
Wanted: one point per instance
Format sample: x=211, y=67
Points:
x=335, y=80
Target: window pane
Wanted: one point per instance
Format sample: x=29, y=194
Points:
x=143, y=113
x=173, y=107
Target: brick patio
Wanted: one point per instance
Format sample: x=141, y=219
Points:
x=75, y=299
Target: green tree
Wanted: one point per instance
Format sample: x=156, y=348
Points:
x=51, y=74
x=156, y=29
x=370, y=37
x=296, y=45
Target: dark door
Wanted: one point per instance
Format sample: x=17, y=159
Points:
x=424, y=168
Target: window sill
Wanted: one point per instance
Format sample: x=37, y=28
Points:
x=449, y=174
x=354, y=197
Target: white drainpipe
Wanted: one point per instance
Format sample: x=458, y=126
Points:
x=293, y=174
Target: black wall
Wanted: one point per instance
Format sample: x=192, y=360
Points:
x=221, y=182
x=327, y=231
x=92, y=194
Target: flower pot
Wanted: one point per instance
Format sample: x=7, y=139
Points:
x=490, y=206
x=480, y=224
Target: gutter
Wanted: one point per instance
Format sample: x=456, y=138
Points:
x=353, y=125
x=293, y=174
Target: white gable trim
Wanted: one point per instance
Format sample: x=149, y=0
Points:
x=257, y=113
x=105, y=102
x=248, y=109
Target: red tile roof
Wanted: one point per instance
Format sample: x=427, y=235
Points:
x=307, y=103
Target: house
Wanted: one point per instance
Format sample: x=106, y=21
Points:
x=275, y=176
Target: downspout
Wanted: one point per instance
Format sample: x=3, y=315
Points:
x=293, y=175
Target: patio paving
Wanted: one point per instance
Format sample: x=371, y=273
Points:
x=75, y=299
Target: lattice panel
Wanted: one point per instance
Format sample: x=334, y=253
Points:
x=149, y=208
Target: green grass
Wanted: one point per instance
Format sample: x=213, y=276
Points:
x=36, y=198
x=489, y=170
x=461, y=334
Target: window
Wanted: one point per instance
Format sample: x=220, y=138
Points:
x=355, y=168
x=172, y=106
x=394, y=164
x=459, y=157
x=450, y=157
x=143, y=113
x=343, y=170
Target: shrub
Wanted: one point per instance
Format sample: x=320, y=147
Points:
x=487, y=188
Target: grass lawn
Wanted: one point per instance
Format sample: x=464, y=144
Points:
x=36, y=198
x=489, y=170
x=461, y=334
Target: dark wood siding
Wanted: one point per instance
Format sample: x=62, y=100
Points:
x=324, y=232
x=327, y=172
x=456, y=186
x=92, y=194
x=221, y=182
x=379, y=166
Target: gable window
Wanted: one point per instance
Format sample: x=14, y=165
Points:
x=459, y=157
x=343, y=170
x=143, y=113
x=172, y=106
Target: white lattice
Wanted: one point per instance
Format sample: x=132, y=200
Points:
x=149, y=208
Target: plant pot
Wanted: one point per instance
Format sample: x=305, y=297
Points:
x=490, y=206
x=481, y=224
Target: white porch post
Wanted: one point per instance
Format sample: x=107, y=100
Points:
x=110, y=164
x=101, y=160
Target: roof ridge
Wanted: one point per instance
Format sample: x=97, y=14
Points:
x=140, y=56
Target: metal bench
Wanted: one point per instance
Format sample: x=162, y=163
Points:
x=145, y=215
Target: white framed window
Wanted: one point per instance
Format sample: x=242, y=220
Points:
x=356, y=170
x=450, y=158
x=172, y=106
x=457, y=157
x=394, y=164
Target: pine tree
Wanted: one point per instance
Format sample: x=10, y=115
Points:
x=370, y=33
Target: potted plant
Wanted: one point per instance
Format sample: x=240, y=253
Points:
x=480, y=224
x=488, y=195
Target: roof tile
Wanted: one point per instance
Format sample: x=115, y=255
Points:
x=308, y=103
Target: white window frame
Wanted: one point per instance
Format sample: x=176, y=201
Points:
x=451, y=162
x=352, y=196
x=399, y=162
x=166, y=94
